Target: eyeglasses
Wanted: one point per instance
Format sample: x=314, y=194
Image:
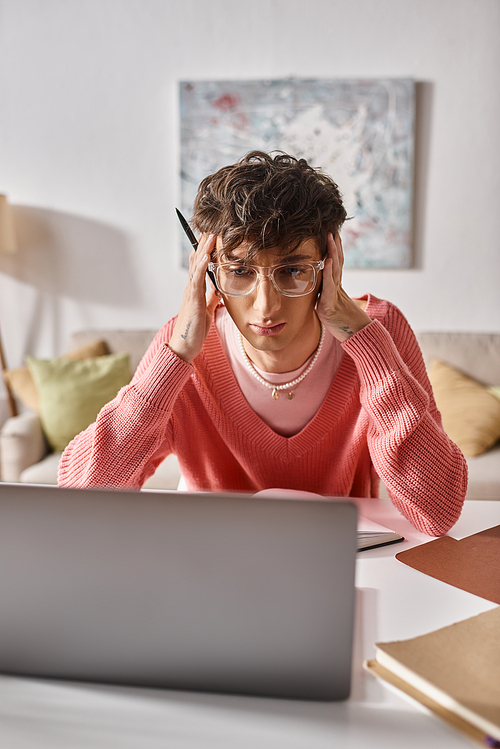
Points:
x=235, y=279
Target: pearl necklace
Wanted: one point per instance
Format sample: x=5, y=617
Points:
x=276, y=388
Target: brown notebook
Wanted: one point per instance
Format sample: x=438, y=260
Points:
x=453, y=671
x=472, y=564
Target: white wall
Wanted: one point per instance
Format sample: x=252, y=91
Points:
x=89, y=147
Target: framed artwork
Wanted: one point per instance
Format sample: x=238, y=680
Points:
x=360, y=132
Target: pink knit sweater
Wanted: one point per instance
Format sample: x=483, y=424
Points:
x=378, y=419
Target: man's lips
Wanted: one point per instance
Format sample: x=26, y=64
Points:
x=266, y=330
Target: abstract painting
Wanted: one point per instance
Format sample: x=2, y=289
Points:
x=360, y=132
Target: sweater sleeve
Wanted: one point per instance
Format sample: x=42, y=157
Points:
x=132, y=433
x=424, y=471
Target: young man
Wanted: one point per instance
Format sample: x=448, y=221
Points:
x=278, y=379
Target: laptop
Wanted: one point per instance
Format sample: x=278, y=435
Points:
x=206, y=592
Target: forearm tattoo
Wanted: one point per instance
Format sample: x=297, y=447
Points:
x=185, y=334
x=346, y=329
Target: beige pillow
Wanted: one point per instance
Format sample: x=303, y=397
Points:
x=494, y=390
x=72, y=392
x=22, y=384
x=471, y=414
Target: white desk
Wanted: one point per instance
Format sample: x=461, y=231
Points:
x=393, y=602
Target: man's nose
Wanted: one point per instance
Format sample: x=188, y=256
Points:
x=267, y=299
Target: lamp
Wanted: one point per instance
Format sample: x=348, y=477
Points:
x=8, y=244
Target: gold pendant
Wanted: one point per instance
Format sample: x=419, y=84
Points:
x=290, y=396
x=275, y=394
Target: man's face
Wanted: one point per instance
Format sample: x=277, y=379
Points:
x=270, y=322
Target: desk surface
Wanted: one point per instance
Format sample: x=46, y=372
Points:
x=393, y=602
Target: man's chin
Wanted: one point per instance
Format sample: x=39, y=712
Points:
x=266, y=343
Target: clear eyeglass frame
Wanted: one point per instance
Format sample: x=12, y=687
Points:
x=316, y=266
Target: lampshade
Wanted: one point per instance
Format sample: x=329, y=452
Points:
x=8, y=241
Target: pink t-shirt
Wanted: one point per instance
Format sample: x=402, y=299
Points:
x=284, y=416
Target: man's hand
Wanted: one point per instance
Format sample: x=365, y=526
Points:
x=340, y=314
x=197, y=309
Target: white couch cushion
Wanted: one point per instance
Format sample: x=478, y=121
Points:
x=484, y=475
x=43, y=472
x=166, y=476
x=22, y=444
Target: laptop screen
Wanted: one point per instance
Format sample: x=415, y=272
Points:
x=214, y=592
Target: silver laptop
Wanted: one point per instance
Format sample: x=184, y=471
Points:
x=211, y=592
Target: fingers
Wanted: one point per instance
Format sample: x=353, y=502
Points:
x=337, y=311
x=197, y=308
x=332, y=274
x=338, y=242
x=199, y=259
x=206, y=247
x=207, y=243
x=336, y=253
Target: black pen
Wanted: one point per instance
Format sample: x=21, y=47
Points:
x=193, y=241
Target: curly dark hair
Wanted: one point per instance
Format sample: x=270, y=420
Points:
x=268, y=201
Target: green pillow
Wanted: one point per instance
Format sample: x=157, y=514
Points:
x=72, y=392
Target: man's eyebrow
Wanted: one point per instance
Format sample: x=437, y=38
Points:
x=296, y=259
x=286, y=260
x=232, y=258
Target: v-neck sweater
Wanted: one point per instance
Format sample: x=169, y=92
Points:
x=379, y=419
x=286, y=416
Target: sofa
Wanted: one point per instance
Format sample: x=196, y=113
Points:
x=25, y=457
